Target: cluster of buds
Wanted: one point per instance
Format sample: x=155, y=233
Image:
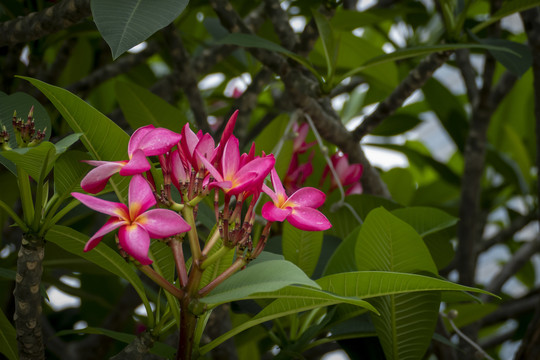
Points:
x=25, y=130
x=195, y=166
x=4, y=139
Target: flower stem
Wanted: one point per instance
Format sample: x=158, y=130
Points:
x=211, y=242
x=237, y=265
x=178, y=253
x=187, y=212
x=161, y=281
x=215, y=257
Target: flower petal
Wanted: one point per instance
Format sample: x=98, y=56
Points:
x=141, y=197
x=188, y=143
x=137, y=165
x=103, y=206
x=231, y=159
x=204, y=148
x=161, y=223
x=356, y=188
x=215, y=173
x=272, y=213
x=308, y=219
x=227, y=132
x=159, y=141
x=97, y=178
x=278, y=186
x=136, y=138
x=270, y=193
x=178, y=172
x=308, y=196
x=111, y=225
x=134, y=239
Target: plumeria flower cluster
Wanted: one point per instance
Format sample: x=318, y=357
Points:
x=197, y=167
x=348, y=174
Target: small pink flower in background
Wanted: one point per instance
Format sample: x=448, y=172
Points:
x=145, y=141
x=235, y=177
x=299, y=209
x=297, y=174
x=299, y=145
x=136, y=223
x=349, y=174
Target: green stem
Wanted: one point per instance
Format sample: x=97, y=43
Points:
x=52, y=201
x=215, y=257
x=50, y=222
x=14, y=216
x=26, y=195
x=187, y=212
x=293, y=331
x=313, y=315
x=38, y=207
x=237, y=265
x=178, y=254
x=161, y=281
x=211, y=242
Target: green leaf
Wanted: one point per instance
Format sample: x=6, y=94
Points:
x=102, y=255
x=254, y=41
x=62, y=145
x=262, y=277
x=420, y=51
x=345, y=287
x=400, y=183
x=407, y=321
x=292, y=300
x=101, y=136
x=36, y=161
x=141, y=107
x=396, y=124
x=449, y=109
x=302, y=248
x=518, y=62
x=344, y=259
x=329, y=45
x=507, y=8
x=69, y=171
x=158, y=348
x=8, y=338
x=126, y=23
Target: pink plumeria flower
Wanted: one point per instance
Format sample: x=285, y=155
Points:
x=235, y=177
x=136, y=223
x=299, y=209
x=145, y=141
x=349, y=174
x=299, y=144
x=297, y=174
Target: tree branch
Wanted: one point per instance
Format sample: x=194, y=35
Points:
x=39, y=24
x=515, y=225
x=28, y=299
x=120, y=66
x=188, y=77
x=415, y=80
x=280, y=20
x=512, y=309
x=304, y=93
x=467, y=73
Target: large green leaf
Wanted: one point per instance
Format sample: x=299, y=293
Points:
x=517, y=63
x=339, y=288
x=329, y=45
x=36, y=161
x=262, y=277
x=102, y=137
x=407, y=321
x=8, y=338
x=69, y=171
x=126, y=23
x=302, y=248
x=343, y=259
x=141, y=107
x=158, y=348
x=103, y=256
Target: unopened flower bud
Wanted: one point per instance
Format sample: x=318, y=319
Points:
x=452, y=314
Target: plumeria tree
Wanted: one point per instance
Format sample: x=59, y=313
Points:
x=229, y=205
